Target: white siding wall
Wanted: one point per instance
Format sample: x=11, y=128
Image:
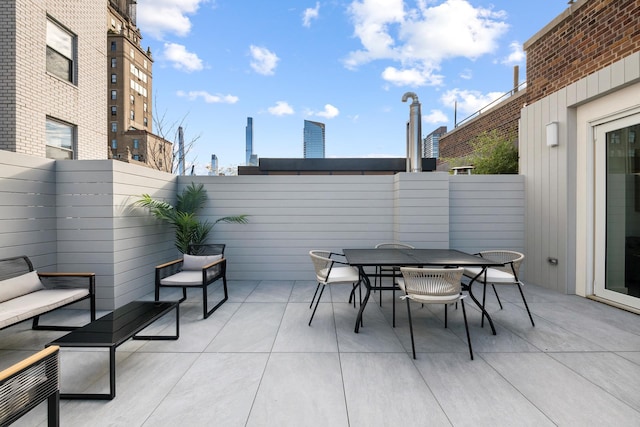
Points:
x=557, y=178
x=91, y=223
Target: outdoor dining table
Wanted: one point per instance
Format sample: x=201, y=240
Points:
x=401, y=257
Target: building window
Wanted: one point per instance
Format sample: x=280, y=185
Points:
x=60, y=52
x=114, y=110
x=132, y=115
x=131, y=53
x=146, y=122
x=114, y=126
x=114, y=94
x=114, y=143
x=60, y=139
x=114, y=62
x=144, y=107
x=113, y=46
x=114, y=78
x=136, y=144
x=136, y=157
x=144, y=62
x=133, y=99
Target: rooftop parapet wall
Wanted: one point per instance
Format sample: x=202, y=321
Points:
x=588, y=36
x=504, y=118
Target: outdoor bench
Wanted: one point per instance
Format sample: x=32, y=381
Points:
x=27, y=294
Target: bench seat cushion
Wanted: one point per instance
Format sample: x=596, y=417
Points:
x=35, y=303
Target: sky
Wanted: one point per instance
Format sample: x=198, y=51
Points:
x=343, y=63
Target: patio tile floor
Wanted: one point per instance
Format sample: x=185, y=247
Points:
x=255, y=362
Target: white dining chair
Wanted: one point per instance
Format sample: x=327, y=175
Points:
x=504, y=275
x=433, y=286
x=330, y=270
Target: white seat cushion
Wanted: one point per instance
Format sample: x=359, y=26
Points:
x=183, y=278
x=340, y=274
x=493, y=275
x=30, y=305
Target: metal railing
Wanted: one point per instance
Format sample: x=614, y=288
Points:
x=488, y=106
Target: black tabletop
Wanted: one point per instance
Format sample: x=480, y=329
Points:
x=415, y=258
x=117, y=326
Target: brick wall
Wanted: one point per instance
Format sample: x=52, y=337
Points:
x=588, y=37
x=35, y=94
x=503, y=118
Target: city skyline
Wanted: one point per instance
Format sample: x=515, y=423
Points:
x=345, y=63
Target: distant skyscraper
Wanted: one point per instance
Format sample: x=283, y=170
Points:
x=431, y=145
x=313, y=138
x=249, y=137
x=213, y=170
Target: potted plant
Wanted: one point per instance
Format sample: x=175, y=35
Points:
x=189, y=229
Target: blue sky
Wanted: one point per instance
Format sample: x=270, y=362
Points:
x=344, y=63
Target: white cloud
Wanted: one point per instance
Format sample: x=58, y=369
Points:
x=329, y=112
x=466, y=74
x=263, y=60
x=516, y=56
x=411, y=77
x=207, y=97
x=420, y=39
x=435, y=116
x=309, y=14
x=282, y=108
x=155, y=18
x=181, y=58
x=469, y=101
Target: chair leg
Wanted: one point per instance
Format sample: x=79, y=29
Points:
x=466, y=326
x=497, y=297
x=317, y=302
x=445, y=315
x=413, y=346
x=314, y=295
x=484, y=297
x=525, y=304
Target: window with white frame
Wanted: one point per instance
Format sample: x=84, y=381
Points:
x=114, y=62
x=114, y=94
x=60, y=51
x=60, y=139
x=132, y=115
x=114, y=78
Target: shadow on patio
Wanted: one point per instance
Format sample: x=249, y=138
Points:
x=256, y=362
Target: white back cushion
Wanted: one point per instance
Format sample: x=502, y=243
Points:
x=196, y=262
x=20, y=285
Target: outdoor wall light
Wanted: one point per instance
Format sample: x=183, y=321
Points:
x=552, y=134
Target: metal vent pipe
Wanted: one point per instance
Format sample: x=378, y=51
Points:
x=414, y=134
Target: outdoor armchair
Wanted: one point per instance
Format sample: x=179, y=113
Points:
x=433, y=286
x=28, y=383
x=196, y=272
x=505, y=275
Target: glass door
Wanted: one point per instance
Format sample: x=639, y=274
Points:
x=617, y=211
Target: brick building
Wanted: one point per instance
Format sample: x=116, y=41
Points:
x=130, y=105
x=53, y=104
